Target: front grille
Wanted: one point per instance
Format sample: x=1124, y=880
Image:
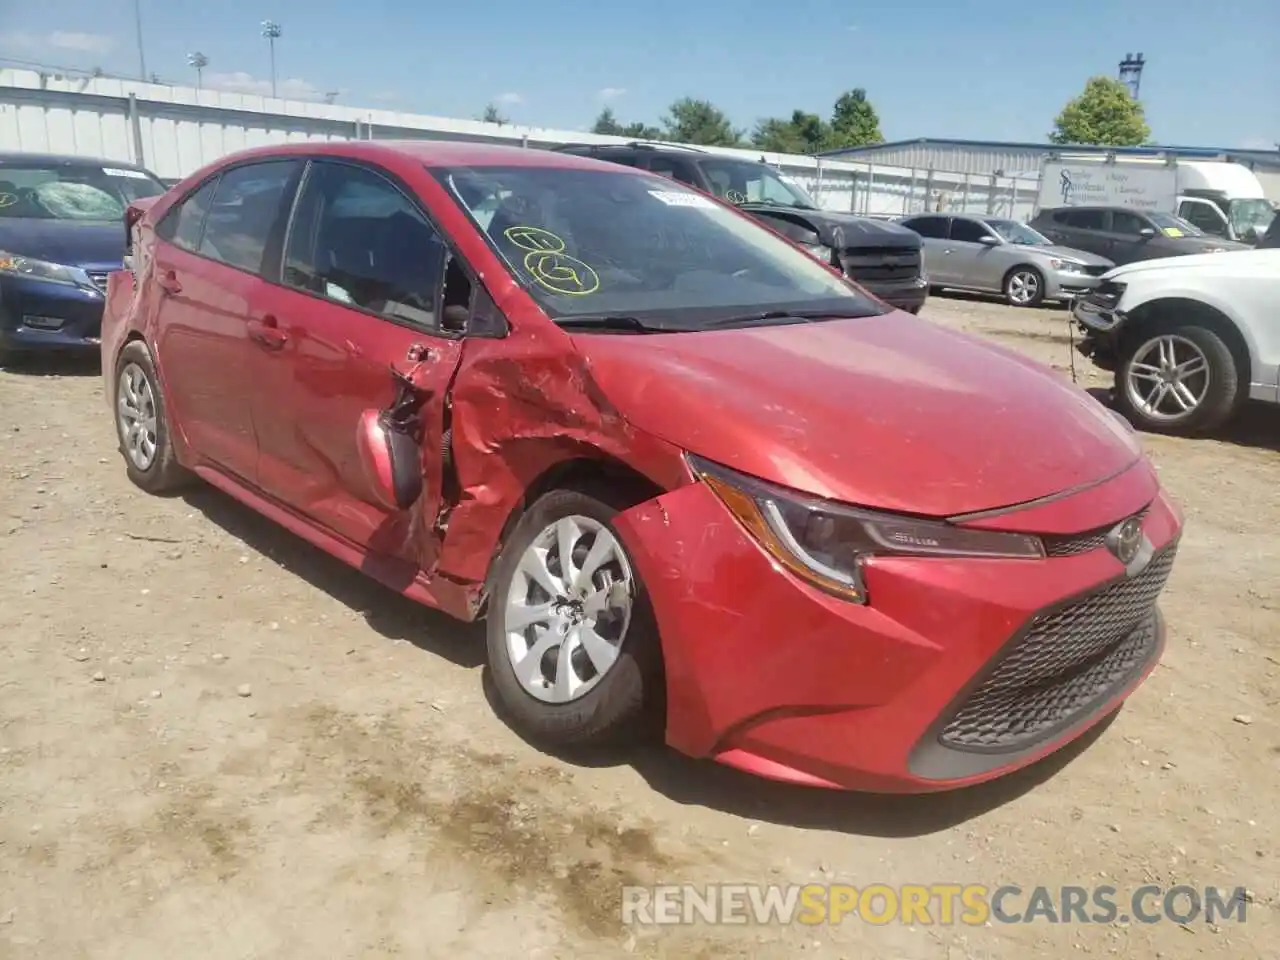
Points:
x=1073, y=544
x=1096, y=271
x=881, y=264
x=99, y=278
x=1064, y=663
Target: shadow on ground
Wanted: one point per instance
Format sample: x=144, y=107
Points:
x=1257, y=425
x=53, y=365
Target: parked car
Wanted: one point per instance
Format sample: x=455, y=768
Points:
x=999, y=255
x=1271, y=240
x=1190, y=340
x=59, y=238
x=1125, y=235
x=678, y=464
x=882, y=257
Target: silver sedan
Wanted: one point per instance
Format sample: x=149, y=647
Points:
x=999, y=255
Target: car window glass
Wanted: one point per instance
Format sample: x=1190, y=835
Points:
x=356, y=239
x=933, y=227
x=245, y=207
x=1086, y=219
x=1129, y=224
x=183, y=224
x=669, y=167
x=967, y=231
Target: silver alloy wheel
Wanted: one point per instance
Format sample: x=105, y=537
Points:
x=1168, y=378
x=1024, y=287
x=136, y=416
x=568, y=609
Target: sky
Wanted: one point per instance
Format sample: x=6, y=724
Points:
x=959, y=69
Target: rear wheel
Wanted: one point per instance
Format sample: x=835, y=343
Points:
x=572, y=643
x=1181, y=380
x=142, y=425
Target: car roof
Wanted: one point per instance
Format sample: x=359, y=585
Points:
x=64, y=159
x=429, y=153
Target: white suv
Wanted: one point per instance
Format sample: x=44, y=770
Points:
x=1190, y=339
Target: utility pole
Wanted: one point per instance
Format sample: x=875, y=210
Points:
x=271, y=30
x=199, y=61
x=137, y=22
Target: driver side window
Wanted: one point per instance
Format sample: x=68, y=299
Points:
x=358, y=240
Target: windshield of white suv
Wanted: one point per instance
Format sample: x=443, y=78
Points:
x=71, y=191
x=587, y=243
x=1019, y=233
x=741, y=181
x=1245, y=214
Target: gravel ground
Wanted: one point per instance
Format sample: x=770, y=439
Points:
x=217, y=742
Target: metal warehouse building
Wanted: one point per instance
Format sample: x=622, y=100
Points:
x=989, y=157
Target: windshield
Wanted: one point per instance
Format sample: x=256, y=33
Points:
x=587, y=243
x=1246, y=214
x=1019, y=233
x=71, y=191
x=741, y=181
x=1173, y=226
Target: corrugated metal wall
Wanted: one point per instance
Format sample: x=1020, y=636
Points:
x=175, y=130
x=976, y=160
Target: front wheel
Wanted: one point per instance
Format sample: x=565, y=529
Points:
x=1179, y=381
x=142, y=424
x=572, y=643
x=1024, y=287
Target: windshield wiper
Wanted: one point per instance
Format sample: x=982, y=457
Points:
x=613, y=322
x=785, y=316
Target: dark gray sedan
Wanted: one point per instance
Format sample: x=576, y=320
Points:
x=1126, y=235
x=999, y=255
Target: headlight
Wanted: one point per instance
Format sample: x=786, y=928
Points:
x=1066, y=266
x=1214, y=250
x=825, y=543
x=33, y=269
x=818, y=251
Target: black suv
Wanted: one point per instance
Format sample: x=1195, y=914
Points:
x=883, y=258
x=1124, y=235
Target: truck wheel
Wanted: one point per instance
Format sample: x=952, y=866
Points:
x=1179, y=381
x=1024, y=287
x=573, y=646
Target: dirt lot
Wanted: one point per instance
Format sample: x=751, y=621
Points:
x=216, y=742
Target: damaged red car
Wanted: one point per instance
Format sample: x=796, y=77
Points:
x=681, y=468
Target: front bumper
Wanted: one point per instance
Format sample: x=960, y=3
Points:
x=39, y=316
x=1064, y=285
x=770, y=675
x=908, y=295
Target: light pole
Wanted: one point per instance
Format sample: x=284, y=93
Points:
x=199, y=61
x=271, y=30
x=137, y=22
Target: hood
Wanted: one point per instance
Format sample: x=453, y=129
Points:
x=836, y=230
x=1239, y=256
x=889, y=412
x=75, y=243
x=1069, y=253
x=1194, y=245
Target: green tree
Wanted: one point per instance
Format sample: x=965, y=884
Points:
x=854, y=121
x=607, y=124
x=803, y=133
x=698, y=121
x=1104, y=115
x=491, y=115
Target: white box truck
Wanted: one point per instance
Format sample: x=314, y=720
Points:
x=1220, y=197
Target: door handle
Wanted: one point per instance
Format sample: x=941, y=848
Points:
x=169, y=282
x=267, y=332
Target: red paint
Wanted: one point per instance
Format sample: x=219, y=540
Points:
x=267, y=388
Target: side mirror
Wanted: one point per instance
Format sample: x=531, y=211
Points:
x=989, y=241
x=387, y=442
x=1146, y=233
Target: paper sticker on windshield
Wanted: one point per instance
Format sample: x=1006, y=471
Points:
x=674, y=198
x=120, y=172
x=1172, y=232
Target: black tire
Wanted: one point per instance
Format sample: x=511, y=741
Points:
x=164, y=474
x=619, y=707
x=1007, y=286
x=1222, y=398
x=8, y=358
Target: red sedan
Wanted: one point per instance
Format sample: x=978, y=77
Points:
x=677, y=464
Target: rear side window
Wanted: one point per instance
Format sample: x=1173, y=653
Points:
x=1128, y=223
x=1085, y=219
x=183, y=225
x=932, y=227
x=358, y=240
x=247, y=205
